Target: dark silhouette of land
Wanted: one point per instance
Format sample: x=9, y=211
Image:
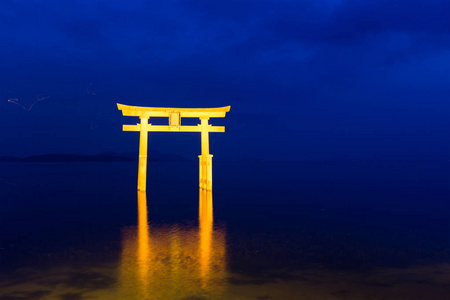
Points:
x=102, y=157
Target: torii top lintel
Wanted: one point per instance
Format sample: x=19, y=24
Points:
x=140, y=111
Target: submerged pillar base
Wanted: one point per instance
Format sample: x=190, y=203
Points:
x=205, y=172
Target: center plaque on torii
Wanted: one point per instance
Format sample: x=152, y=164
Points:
x=174, y=115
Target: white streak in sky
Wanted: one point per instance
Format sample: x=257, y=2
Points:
x=38, y=98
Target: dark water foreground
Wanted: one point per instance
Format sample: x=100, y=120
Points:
x=309, y=230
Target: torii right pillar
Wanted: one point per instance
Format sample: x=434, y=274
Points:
x=205, y=160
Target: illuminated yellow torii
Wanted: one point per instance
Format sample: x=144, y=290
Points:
x=175, y=115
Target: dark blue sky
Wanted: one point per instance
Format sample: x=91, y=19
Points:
x=315, y=79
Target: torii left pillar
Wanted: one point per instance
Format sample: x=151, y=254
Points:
x=205, y=160
x=143, y=142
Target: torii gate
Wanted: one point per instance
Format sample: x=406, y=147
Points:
x=175, y=115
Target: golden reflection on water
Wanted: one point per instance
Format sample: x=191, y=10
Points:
x=173, y=261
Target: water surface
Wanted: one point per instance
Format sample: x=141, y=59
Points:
x=303, y=230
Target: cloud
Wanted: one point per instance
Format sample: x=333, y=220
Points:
x=225, y=48
x=153, y=32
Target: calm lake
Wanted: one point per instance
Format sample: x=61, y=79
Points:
x=268, y=230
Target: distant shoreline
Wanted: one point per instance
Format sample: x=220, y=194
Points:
x=102, y=157
x=155, y=156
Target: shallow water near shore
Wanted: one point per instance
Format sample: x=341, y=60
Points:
x=303, y=230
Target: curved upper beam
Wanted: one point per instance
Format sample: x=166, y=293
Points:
x=138, y=111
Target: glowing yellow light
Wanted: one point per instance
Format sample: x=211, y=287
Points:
x=205, y=230
x=143, y=249
x=175, y=115
x=173, y=261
